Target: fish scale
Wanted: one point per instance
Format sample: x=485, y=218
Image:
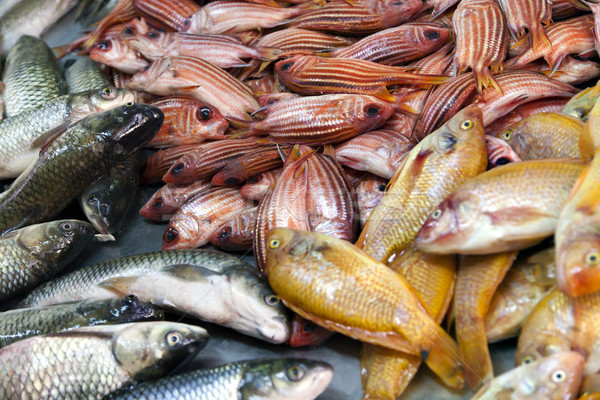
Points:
x=298, y=41
x=85, y=74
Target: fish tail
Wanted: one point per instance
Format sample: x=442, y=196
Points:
x=478, y=364
x=443, y=359
x=484, y=78
x=429, y=79
x=539, y=38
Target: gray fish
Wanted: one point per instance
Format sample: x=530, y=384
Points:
x=22, y=136
x=6, y=5
x=275, y=379
x=31, y=17
x=205, y=284
x=74, y=160
x=91, y=362
x=84, y=74
x=31, y=76
x=106, y=201
x=22, y=323
x=30, y=255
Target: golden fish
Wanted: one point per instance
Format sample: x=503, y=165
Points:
x=432, y=169
x=582, y=103
x=590, y=137
x=507, y=208
x=336, y=285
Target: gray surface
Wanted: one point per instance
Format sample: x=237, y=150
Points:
x=224, y=346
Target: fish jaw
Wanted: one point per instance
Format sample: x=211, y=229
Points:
x=440, y=231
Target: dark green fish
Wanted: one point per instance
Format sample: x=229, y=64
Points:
x=91, y=362
x=208, y=285
x=31, y=76
x=276, y=379
x=74, y=160
x=30, y=255
x=84, y=74
x=22, y=323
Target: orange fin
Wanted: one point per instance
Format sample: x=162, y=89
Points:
x=443, y=359
x=520, y=42
x=383, y=94
x=407, y=108
x=539, y=38
x=484, y=78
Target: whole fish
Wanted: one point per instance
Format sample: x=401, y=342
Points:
x=84, y=74
x=22, y=323
x=32, y=254
x=258, y=185
x=193, y=224
x=524, y=285
x=74, y=160
x=240, y=297
x=159, y=163
x=197, y=78
x=169, y=198
x=428, y=174
x=101, y=359
x=119, y=54
x=554, y=378
x=545, y=135
x=187, y=121
x=22, y=136
x=528, y=15
x=107, y=200
x=236, y=234
x=251, y=164
x=357, y=296
x=481, y=40
x=499, y=152
x=369, y=192
x=31, y=76
x=287, y=378
x=331, y=118
x=507, y=208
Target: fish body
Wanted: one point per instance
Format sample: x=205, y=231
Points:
x=294, y=41
x=242, y=168
x=173, y=14
x=582, y=103
x=240, y=297
x=101, y=359
x=507, y=208
x=159, y=163
x=523, y=111
x=74, y=160
x=32, y=254
x=528, y=15
x=22, y=323
x=236, y=234
x=590, y=136
x=169, y=198
x=85, y=74
x=258, y=185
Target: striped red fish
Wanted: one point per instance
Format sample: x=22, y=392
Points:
x=251, y=164
x=119, y=54
x=236, y=234
x=194, y=77
x=439, y=6
x=169, y=198
x=173, y=14
x=481, y=40
x=596, y=31
x=295, y=41
x=554, y=104
x=159, y=163
x=340, y=17
x=573, y=71
x=528, y=14
x=499, y=152
x=257, y=186
x=187, y=121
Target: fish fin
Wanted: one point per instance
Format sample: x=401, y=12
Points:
x=520, y=42
x=244, y=128
x=105, y=237
x=262, y=109
x=587, y=54
x=263, y=65
x=538, y=37
x=186, y=88
x=384, y=95
x=242, y=65
x=484, y=78
x=268, y=54
x=329, y=150
x=407, y=108
x=119, y=285
x=264, y=141
x=516, y=214
x=45, y=140
x=189, y=272
x=443, y=359
x=554, y=63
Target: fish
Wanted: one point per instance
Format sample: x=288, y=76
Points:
x=197, y=78
x=407, y=42
x=545, y=135
x=477, y=280
x=199, y=217
x=590, y=136
x=31, y=76
x=187, y=121
x=481, y=40
x=524, y=285
x=510, y=207
x=295, y=41
x=33, y=254
x=572, y=70
x=285, y=378
x=174, y=14
x=311, y=75
x=257, y=186
x=119, y=54
x=107, y=200
x=556, y=377
x=158, y=164
x=23, y=323
x=528, y=15
x=102, y=359
x=499, y=152
x=595, y=8
x=386, y=313
x=369, y=192
x=582, y=103
x=236, y=234
x=305, y=333
x=428, y=174
x=251, y=164
x=524, y=111
x=240, y=297
x=439, y=7
x=325, y=119
x=22, y=136
x=90, y=147
x=169, y=198
x=84, y=74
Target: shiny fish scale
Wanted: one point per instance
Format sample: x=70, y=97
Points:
x=84, y=74
x=38, y=369
x=18, y=267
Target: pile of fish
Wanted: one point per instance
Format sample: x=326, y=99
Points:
x=390, y=164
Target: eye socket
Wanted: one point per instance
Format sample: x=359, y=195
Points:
x=151, y=35
x=274, y=243
x=104, y=45
x=107, y=93
x=592, y=258
x=287, y=66
x=559, y=375
x=204, y=114
x=295, y=373
x=507, y=135
x=174, y=338
x=272, y=299
x=431, y=34
x=372, y=110
x=502, y=161
x=225, y=233
x=129, y=104
x=308, y=328
x=92, y=199
x=527, y=360
x=157, y=204
x=255, y=179
x=170, y=235
x=466, y=125
x=186, y=22
x=130, y=299
x=177, y=168
x=437, y=214
x=66, y=226
x=381, y=188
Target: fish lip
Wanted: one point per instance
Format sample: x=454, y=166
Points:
x=273, y=333
x=141, y=126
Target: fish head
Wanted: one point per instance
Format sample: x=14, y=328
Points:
x=122, y=310
x=306, y=333
x=516, y=137
x=535, y=345
x=180, y=232
x=368, y=112
x=104, y=204
x=182, y=170
x=554, y=377
x=289, y=68
x=207, y=121
x=109, y=97
x=428, y=36
x=118, y=53
x=288, y=244
x=152, y=44
x=151, y=75
x=149, y=350
x=395, y=12
x=286, y=379
x=155, y=208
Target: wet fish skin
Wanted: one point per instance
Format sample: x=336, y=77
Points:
x=22, y=323
x=101, y=359
x=31, y=76
x=74, y=160
x=119, y=54
x=306, y=333
x=33, y=254
x=583, y=102
x=369, y=192
x=159, y=163
x=528, y=15
x=524, y=111
x=85, y=74
x=286, y=378
x=174, y=14
x=248, y=165
x=257, y=186
x=245, y=303
x=237, y=234
x=590, y=136
x=169, y=198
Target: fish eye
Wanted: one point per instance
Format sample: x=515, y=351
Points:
x=372, y=110
x=157, y=204
x=308, y=328
x=66, y=226
x=177, y=168
x=274, y=243
x=107, y=93
x=147, y=67
x=225, y=233
x=129, y=104
x=437, y=214
x=104, y=45
x=431, y=34
x=527, y=360
x=92, y=199
x=171, y=235
x=381, y=187
x=287, y=66
x=295, y=373
x=204, y=114
x=502, y=161
x=466, y=125
x=130, y=299
x=186, y=22
x=272, y=299
x=151, y=35
x=559, y=375
x=128, y=31
x=592, y=259
x=507, y=135
x=397, y=3
x=174, y=338
x=255, y=179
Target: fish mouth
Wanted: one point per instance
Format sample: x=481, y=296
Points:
x=277, y=331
